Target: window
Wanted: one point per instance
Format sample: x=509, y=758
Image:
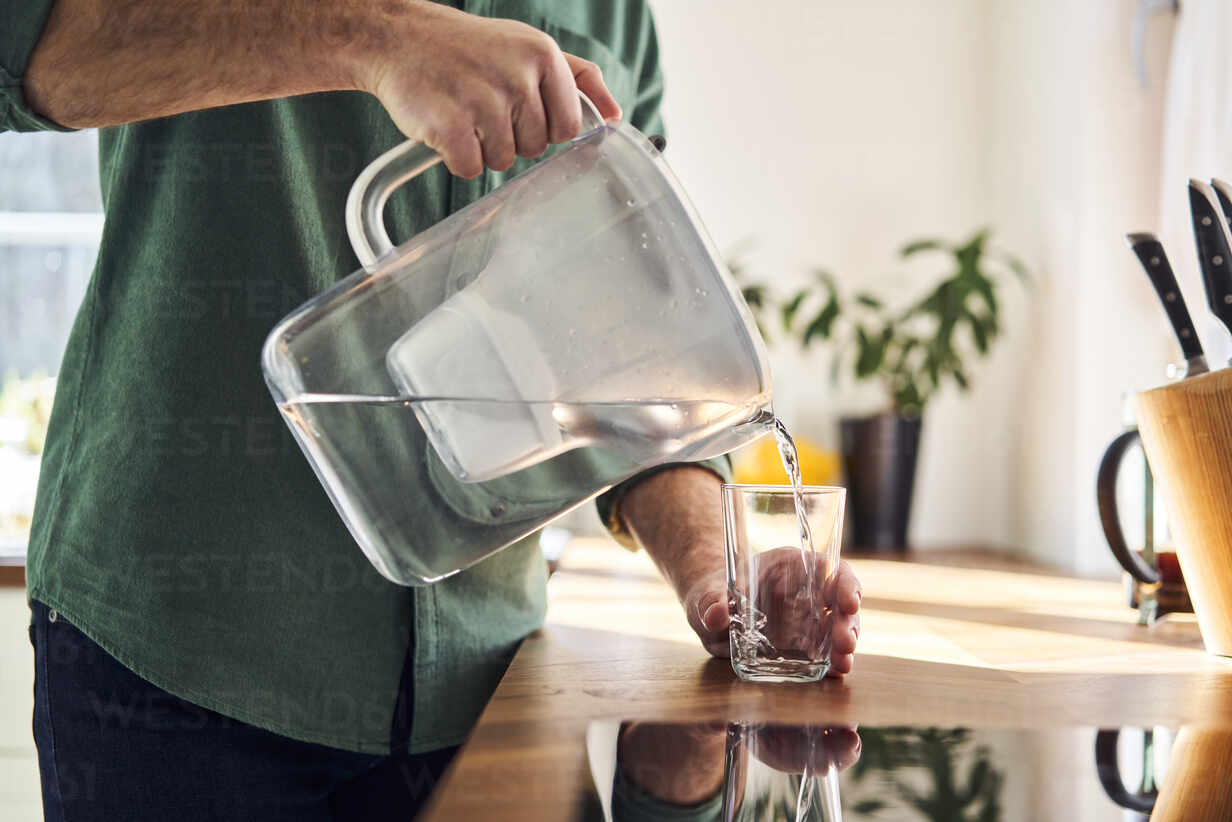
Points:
x=50, y=220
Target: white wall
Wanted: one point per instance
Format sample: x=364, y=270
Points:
x=1074, y=163
x=20, y=800
x=831, y=132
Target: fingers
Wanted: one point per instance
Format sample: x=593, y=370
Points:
x=847, y=591
x=846, y=633
x=789, y=748
x=842, y=746
x=840, y=665
x=497, y=139
x=847, y=595
x=530, y=126
x=588, y=78
x=458, y=144
x=561, y=105
x=501, y=89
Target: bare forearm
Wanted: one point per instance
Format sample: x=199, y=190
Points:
x=102, y=62
x=480, y=91
x=676, y=517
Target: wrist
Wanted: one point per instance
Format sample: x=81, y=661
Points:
x=371, y=39
x=676, y=516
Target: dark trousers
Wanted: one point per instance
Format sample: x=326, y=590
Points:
x=111, y=746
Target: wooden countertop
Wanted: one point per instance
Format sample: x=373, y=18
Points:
x=956, y=638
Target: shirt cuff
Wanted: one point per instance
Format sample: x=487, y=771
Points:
x=632, y=804
x=609, y=502
x=15, y=112
x=23, y=26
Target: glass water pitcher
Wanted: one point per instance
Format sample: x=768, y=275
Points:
x=557, y=336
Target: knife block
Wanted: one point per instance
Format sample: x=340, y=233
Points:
x=1197, y=784
x=1186, y=431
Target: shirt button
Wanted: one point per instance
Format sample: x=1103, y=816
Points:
x=52, y=615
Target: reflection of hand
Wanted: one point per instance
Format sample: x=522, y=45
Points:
x=680, y=764
x=790, y=748
x=835, y=606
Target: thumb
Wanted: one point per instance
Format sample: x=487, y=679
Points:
x=709, y=618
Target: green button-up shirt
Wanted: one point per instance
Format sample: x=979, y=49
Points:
x=177, y=523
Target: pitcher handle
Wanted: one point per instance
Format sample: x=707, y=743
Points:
x=365, y=208
x=1105, y=492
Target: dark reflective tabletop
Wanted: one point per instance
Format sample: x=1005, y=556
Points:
x=757, y=771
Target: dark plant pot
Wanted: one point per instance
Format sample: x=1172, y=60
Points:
x=879, y=457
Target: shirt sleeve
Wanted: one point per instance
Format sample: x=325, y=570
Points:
x=631, y=804
x=609, y=503
x=646, y=115
x=19, y=33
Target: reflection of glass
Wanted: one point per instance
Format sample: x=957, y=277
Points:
x=787, y=772
x=737, y=772
x=778, y=592
x=746, y=771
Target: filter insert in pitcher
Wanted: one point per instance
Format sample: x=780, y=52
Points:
x=468, y=349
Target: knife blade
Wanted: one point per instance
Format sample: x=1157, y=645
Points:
x=1150, y=252
x=1214, y=250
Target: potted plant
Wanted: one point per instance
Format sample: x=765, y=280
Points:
x=912, y=351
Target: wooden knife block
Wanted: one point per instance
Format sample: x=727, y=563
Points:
x=1186, y=430
x=1197, y=785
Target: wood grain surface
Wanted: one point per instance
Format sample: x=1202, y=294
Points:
x=953, y=639
x=12, y=575
x=1186, y=432
x=1197, y=786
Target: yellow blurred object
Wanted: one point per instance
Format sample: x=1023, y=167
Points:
x=29, y=401
x=759, y=463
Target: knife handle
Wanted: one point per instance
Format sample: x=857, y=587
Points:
x=1224, y=192
x=1214, y=253
x=1150, y=253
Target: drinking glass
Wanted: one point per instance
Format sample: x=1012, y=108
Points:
x=780, y=594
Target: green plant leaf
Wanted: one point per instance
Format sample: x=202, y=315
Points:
x=1015, y=265
x=916, y=246
x=754, y=295
x=976, y=778
x=907, y=399
x=932, y=369
x=823, y=324
x=974, y=247
x=868, y=806
x=987, y=290
x=960, y=378
x=790, y=308
x=826, y=279
x=872, y=351
x=869, y=301
x=979, y=333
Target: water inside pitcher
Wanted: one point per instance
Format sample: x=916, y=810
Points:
x=566, y=331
